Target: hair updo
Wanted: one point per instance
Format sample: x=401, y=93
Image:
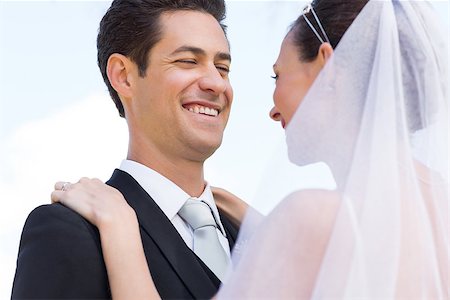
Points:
x=336, y=16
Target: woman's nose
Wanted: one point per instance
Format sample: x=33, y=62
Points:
x=275, y=114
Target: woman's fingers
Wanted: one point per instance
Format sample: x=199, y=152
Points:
x=62, y=185
x=65, y=192
x=60, y=192
x=93, y=199
x=57, y=196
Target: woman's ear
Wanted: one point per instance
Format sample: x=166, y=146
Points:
x=119, y=71
x=325, y=52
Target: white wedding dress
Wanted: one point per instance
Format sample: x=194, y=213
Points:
x=378, y=116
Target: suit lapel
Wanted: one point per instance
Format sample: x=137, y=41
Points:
x=155, y=223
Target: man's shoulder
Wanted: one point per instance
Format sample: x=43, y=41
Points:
x=50, y=209
x=54, y=212
x=58, y=219
x=59, y=257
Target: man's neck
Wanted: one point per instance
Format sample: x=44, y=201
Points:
x=186, y=174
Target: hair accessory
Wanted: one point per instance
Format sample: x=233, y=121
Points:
x=306, y=10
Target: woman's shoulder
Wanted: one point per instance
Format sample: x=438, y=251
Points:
x=313, y=208
x=321, y=194
x=313, y=200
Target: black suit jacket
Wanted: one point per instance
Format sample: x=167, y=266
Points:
x=60, y=255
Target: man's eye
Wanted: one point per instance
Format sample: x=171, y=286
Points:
x=223, y=68
x=187, y=61
x=275, y=77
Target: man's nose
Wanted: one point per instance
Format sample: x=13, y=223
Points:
x=275, y=114
x=213, y=82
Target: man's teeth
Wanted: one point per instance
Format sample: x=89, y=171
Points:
x=204, y=110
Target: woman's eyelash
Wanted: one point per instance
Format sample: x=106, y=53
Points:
x=275, y=77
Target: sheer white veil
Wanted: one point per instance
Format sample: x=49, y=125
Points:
x=378, y=116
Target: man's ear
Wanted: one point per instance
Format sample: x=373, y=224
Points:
x=325, y=52
x=120, y=74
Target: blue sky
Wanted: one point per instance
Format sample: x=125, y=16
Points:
x=58, y=123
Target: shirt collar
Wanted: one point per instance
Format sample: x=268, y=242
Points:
x=167, y=195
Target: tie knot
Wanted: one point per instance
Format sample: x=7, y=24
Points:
x=197, y=214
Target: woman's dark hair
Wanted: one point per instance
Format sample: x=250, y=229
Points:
x=336, y=16
x=132, y=28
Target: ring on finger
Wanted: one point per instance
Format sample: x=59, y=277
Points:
x=65, y=186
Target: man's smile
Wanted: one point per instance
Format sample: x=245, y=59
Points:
x=201, y=107
x=198, y=109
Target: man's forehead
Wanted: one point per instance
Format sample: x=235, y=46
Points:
x=193, y=29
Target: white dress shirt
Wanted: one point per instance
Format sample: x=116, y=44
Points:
x=170, y=198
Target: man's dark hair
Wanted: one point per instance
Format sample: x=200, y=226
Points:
x=132, y=28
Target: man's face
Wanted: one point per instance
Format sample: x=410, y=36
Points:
x=182, y=104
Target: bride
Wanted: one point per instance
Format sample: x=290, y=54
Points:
x=371, y=103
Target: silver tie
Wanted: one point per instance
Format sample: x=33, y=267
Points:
x=206, y=242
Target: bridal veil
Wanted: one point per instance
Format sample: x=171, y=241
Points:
x=378, y=116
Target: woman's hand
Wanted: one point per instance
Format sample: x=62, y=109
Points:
x=232, y=206
x=106, y=208
x=96, y=201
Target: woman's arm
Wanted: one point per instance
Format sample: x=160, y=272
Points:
x=232, y=206
x=105, y=207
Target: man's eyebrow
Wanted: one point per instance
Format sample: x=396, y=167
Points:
x=201, y=52
x=195, y=50
x=223, y=56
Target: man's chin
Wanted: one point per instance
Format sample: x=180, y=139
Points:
x=206, y=149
